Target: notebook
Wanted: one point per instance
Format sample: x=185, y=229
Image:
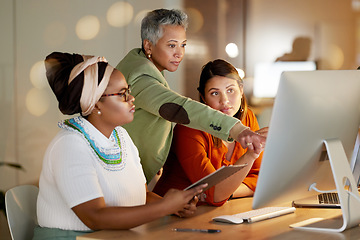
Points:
x=331, y=200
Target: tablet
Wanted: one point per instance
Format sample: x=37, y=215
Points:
x=216, y=177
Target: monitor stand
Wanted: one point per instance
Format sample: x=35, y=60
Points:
x=348, y=196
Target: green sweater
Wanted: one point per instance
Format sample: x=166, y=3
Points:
x=157, y=106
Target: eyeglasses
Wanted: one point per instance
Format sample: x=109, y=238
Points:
x=124, y=94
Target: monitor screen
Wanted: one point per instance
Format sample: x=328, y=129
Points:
x=310, y=107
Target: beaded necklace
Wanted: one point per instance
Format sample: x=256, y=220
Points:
x=112, y=155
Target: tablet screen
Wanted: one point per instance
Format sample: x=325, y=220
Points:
x=219, y=175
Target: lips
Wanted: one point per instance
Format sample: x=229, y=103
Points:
x=132, y=110
x=225, y=110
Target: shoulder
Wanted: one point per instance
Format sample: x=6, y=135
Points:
x=135, y=56
x=135, y=65
x=67, y=149
x=67, y=138
x=67, y=141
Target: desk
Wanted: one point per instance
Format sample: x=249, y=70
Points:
x=276, y=228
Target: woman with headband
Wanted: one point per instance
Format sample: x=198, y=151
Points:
x=92, y=178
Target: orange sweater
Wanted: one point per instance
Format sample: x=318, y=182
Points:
x=194, y=156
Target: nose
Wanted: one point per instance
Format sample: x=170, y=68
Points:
x=179, y=53
x=131, y=98
x=224, y=99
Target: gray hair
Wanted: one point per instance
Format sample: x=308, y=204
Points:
x=151, y=25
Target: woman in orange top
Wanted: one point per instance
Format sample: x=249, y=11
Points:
x=195, y=154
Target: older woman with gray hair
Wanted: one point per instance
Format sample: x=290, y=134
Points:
x=163, y=36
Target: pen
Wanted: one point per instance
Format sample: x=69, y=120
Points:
x=196, y=230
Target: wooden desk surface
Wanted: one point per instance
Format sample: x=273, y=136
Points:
x=276, y=228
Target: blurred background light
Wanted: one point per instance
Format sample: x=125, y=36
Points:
x=37, y=101
x=140, y=16
x=196, y=49
x=38, y=75
x=196, y=20
x=241, y=73
x=120, y=14
x=335, y=57
x=88, y=27
x=232, y=50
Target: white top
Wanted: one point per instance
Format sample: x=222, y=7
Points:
x=73, y=174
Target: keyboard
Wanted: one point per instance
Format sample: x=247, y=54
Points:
x=255, y=215
x=328, y=198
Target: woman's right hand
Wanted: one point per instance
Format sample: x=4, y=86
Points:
x=252, y=140
x=251, y=153
x=182, y=203
x=263, y=131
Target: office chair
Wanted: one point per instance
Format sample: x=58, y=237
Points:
x=20, y=203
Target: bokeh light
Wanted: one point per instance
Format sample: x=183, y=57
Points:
x=139, y=17
x=232, y=50
x=355, y=4
x=196, y=20
x=88, y=27
x=38, y=75
x=335, y=57
x=196, y=49
x=37, y=101
x=241, y=73
x=120, y=14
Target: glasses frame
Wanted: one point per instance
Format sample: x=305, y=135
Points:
x=124, y=94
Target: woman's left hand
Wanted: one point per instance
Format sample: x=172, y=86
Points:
x=188, y=209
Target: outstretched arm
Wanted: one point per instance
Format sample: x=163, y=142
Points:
x=97, y=216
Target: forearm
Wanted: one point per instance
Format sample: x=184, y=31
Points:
x=123, y=217
x=230, y=185
x=243, y=191
x=135, y=216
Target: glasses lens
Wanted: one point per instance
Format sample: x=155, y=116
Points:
x=127, y=93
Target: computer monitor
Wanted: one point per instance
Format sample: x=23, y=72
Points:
x=314, y=124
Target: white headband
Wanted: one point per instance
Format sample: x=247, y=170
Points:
x=91, y=92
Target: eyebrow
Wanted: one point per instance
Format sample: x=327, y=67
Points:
x=122, y=90
x=173, y=40
x=231, y=85
x=213, y=89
